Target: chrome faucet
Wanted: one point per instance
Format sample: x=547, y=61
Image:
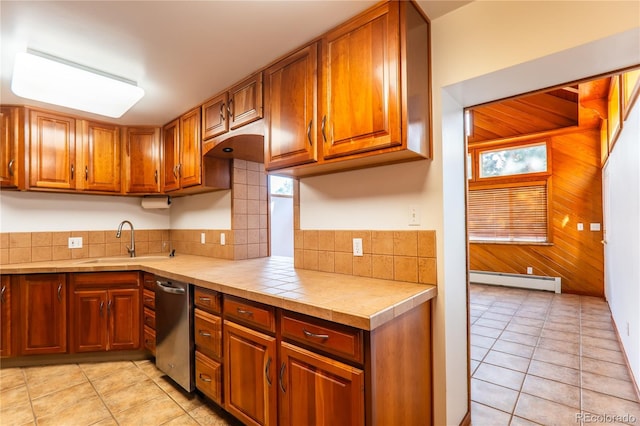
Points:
x=132, y=249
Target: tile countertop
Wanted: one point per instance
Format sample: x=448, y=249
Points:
x=360, y=302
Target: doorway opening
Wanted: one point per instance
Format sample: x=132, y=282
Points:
x=281, y=213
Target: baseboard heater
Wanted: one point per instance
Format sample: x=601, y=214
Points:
x=532, y=282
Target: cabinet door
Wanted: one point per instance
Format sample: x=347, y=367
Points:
x=124, y=316
x=142, y=153
x=101, y=157
x=11, y=143
x=43, y=314
x=5, y=316
x=190, y=170
x=171, y=156
x=290, y=88
x=250, y=375
x=53, y=150
x=245, y=102
x=215, y=117
x=360, y=85
x=316, y=390
x=89, y=321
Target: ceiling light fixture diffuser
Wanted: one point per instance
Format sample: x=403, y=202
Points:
x=45, y=78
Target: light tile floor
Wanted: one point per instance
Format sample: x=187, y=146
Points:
x=542, y=358
x=106, y=393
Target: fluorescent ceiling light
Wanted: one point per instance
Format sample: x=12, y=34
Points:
x=55, y=81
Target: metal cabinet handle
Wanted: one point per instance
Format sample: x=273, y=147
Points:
x=2, y=293
x=266, y=371
x=155, y=176
x=204, y=299
x=86, y=173
x=309, y=133
x=204, y=378
x=314, y=335
x=282, y=377
x=244, y=312
x=101, y=307
x=59, y=292
x=204, y=333
x=73, y=170
x=109, y=307
x=175, y=172
x=11, y=167
x=222, y=112
x=180, y=169
x=324, y=124
x=229, y=108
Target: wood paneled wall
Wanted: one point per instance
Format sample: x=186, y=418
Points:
x=576, y=196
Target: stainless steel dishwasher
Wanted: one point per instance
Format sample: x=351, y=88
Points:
x=174, y=331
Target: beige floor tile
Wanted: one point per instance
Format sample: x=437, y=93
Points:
x=11, y=378
x=97, y=370
x=474, y=365
x=50, y=380
x=563, y=336
x=14, y=396
x=120, y=379
x=55, y=402
x=599, y=404
x=544, y=411
x=554, y=391
x=506, y=360
x=478, y=353
x=482, y=415
x=85, y=412
x=497, y=317
x=500, y=376
x=534, y=321
x=503, y=311
x=150, y=369
x=153, y=412
x=17, y=415
x=559, y=345
x=513, y=348
x=524, y=339
x=607, y=385
x=605, y=368
x=559, y=358
x=188, y=401
x=603, y=354
x=500, y=325
x=131, y=396
x=558, y=373
x=597, y=332
x=524, y=329
x=519, y=421
x=109, y=421
x=599, y=342
x=212, y=416
x=601, y=325
x=493, y=395
x=559, y=326
x=183, y=420
x=482, y=341
x=485, y=331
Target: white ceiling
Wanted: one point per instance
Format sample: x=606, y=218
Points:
x=179, y=52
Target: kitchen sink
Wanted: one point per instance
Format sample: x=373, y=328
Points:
x=124, y=259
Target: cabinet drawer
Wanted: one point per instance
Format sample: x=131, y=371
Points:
x=250, y=313
x=149, y=281
x=150, y=339
x=206, y=299
x=149, y=317
x=208, y=333
x=209, y=377
x=149, y=299
x=341, y=340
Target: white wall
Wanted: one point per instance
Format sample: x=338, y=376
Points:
x=622, y=225
x=211, y=210
x=484, y=51
x=40, y=211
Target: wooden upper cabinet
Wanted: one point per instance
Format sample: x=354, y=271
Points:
x=43, y=314
x=11, y=147
x=375, y=86
x=100, y=162
x=240, y=105
x=52, y=151
x=215, y=120
x=190, y=170
x=142, y=159
x=290, y=88
x=171, y=156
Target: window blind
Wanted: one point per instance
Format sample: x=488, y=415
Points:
x=508, y=213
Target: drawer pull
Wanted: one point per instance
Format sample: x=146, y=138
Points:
x=204, y=299
x=148, y=299
x=314, y=335
x=204, y=378
x=244, y=312
x=204, y=333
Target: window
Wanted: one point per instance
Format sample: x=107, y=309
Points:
x=513, y=213
x=279, y=185
x=513, y=161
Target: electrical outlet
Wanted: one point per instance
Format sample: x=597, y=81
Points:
x=203, y=238
x=628, y=330
x=75, y=242
x=594, y=226
x=414, y=216
x=529, y=270
x=223, y=240
x=357, y=246
x=580, y=226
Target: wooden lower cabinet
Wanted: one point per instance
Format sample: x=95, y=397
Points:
x=209, y=377
x=250, y=377
x=105, y=311
x=42, y=314
x=149, y=312
x=5, y=316
x=316, y=390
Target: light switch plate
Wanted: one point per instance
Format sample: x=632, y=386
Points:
x=223, y=240
x=580, y=226
x=594, y=226
x=75, y=242
x=357, y=246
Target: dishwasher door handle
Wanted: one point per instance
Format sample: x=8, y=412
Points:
x=164, y=286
